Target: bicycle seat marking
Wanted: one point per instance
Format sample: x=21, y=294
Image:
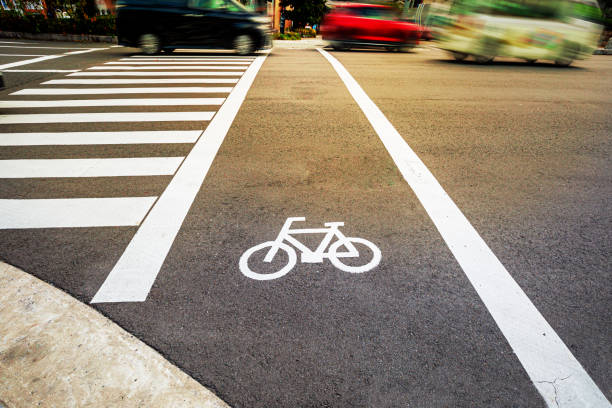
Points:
x=307, y=255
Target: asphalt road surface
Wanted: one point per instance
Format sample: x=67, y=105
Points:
x=483, y=277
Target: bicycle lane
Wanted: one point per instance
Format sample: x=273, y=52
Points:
x=409, y=332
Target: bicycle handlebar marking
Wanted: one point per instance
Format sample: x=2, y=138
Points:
x=307, y=255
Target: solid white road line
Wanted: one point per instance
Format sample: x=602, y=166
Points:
x=135, y=272
x=135, y=81
x=41, y=70
x=147, y=67
x=98, y=138
x=74, y=212
x=111, y=102
x=22, y=55
x=555, y=372
x=106, y=91
x=28, y=61
x=154, y=74
x=133, y=166
x=84, y=51
x=177, y=63
x=197, y=116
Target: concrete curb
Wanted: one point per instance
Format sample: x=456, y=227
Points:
x=60, y=37
x=58, y=352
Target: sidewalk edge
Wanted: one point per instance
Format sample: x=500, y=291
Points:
x=56, y=351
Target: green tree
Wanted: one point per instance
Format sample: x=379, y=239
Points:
x=304, y=12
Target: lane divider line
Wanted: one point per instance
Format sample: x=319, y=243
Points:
x=134, y=274
x=555, y=372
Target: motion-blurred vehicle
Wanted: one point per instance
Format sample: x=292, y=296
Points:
x=558, y=30
x=155, y=25
x=1, y=81
x=354, y=25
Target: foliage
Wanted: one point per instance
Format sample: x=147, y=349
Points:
x=302, y=12
x=306, y=32
x=38, y=23
x=288, y=35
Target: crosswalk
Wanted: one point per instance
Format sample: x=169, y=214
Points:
x=135, y=101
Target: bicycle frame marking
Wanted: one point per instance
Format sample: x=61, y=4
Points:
x=307, y=255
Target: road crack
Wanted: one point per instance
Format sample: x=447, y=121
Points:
x=553, y=383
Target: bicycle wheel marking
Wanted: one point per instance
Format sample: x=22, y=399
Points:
x=307, y=255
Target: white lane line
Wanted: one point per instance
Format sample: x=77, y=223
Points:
x=46, y=48
x=135, y=81
x=154, y=74
x=135, y=272
x=41, y=70
x=106, y=91
x=22, y=55
x=155, y=67
x=74, y=212
x=198, y=116
x=85, y=51
x=133, y=166
x=111, y=102
x=28, y=61
x=540, y=350
x=98, y=138
x=177, y=63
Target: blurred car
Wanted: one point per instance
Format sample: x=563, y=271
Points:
x=354, y=25
x=155, y=25
x=1, y=81
x=559, y=30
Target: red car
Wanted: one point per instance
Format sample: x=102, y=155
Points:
x=353, y=25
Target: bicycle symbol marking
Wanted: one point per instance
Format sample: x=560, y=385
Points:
x=307, y=255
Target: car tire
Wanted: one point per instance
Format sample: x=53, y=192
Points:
x=243, y=44
x=530, y=61
x=483, y=59
x=149, y=44
x=168, y=50
x=459, y=56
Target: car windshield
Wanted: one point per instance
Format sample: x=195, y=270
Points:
x=231, y=5
x=379, y=13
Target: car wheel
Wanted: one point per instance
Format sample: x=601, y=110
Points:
x=564, y=62
x=149, y=44
x=483, y=59
x=243, y=44
x=530, y=61
x=459, y=56
x=168, y=50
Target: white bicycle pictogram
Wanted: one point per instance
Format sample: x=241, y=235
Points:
x=309, y=256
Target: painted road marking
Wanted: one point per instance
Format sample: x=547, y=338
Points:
x=153, y=74
x=177, y=63
x=105, y=91
x=135, y=81
x=111, y=102
x=134, y=274
x=133, y=166
x=555, y=372
x=44, y=58
x=147, y=67
x=47, y=48
x=198, y=116
x=98, y=138
x=308, y=256
x=22, y=55
x=74, y=212
x=188, y=57
x=41, y=70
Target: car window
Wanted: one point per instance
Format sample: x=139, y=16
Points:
x=378, y=13
x=216, y=5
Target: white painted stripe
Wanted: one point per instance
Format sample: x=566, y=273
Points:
x=41, y=70
x=186, y=57
x=74, y=212
x=111, y=102
x=105, y=91
x=28, y=61
x=47, y=48
x=154, y=74
x=190, y=60
x=165, y=62
x=22, y=55
x=555, y=372
x=127, y=68
x=97, y=138
x=135, y=81
x=133, y=166
x=107, y=117
x=133, y=275
x=85, y=51
x=14, y=42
